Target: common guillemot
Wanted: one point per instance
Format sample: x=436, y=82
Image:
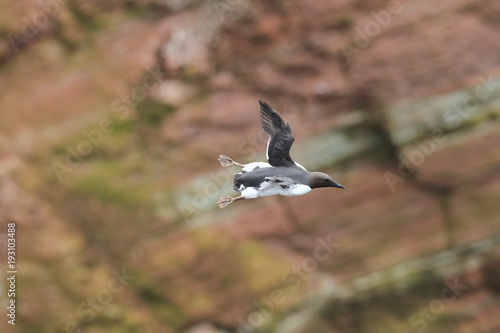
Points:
x=281, y=175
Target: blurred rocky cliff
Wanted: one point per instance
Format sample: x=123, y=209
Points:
x=113, y=114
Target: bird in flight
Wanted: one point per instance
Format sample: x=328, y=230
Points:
x=281, y=175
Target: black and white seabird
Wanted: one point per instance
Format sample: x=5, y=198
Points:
x=281, y=176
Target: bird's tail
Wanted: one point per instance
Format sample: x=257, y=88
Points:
x=236, y=181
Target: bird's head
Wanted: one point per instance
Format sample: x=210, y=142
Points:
x=320, y=179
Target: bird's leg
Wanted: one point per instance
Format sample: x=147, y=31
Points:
x=226, y=200
x=227, y=161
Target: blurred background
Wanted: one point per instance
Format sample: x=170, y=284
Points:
x=113, y=115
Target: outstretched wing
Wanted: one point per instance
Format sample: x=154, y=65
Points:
x=281, y=137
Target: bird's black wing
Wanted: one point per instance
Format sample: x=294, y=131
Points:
x=281, y=137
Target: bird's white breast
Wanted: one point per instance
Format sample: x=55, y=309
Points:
x=265, y=191
x=297, y=189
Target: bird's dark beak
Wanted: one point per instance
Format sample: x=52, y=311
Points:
x=337, y=185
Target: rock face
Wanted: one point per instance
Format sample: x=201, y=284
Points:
x=113, y=115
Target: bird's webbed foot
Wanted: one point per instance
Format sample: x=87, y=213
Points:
x=227, y=162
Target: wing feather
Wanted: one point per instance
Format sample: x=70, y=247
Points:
x=281, y=137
